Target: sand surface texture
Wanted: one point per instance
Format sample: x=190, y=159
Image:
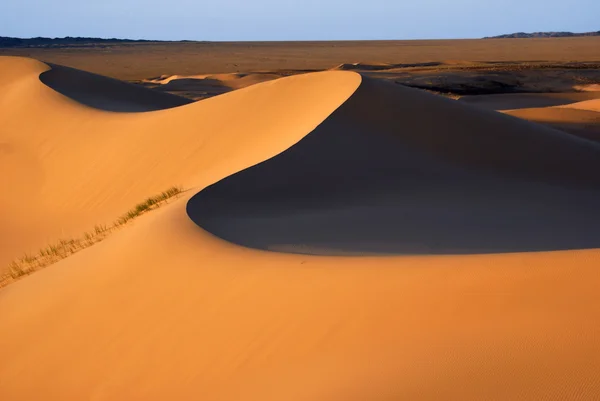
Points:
x=341, y=238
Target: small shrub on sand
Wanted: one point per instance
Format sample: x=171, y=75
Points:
x=66, y=247
x=148, y=204
x=16, y=270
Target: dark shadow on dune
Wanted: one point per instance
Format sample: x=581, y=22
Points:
x=106, y=93
x=589, y=131
x=383, y=177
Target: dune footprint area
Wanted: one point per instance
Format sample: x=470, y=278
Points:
x=336, y=237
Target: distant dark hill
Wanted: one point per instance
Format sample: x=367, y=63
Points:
x=543, y=35
x=63, y=42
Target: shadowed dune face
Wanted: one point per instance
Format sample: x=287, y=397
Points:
x=380, y=176
x=106, y=93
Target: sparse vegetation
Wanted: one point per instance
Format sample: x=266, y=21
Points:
x=63, y=248
x=148, y=204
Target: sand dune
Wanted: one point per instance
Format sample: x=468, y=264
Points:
x=468, y=181
x=71, y=148
x=163, y=309
x=591, y=105
x=106, y=93
x=493, y=85
x=589, y=87
x=514, y=101
x=208, y=85
x=575, y=113
x=580, y=119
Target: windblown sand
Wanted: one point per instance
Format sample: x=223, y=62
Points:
x=342, y=238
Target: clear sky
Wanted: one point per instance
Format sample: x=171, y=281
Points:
x=293, y=19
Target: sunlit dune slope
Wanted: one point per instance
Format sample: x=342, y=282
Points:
x=512, y=101
x=591, y=105
x=165, y=310
x=580, y=119
x=70, y=166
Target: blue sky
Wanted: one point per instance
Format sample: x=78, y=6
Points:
x=293, y=19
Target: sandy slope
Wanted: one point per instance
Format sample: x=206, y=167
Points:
x=574, y=112
x=165, y=310
x=65, y=159
x=580, y=118
x=591, y=105
x=513, y=101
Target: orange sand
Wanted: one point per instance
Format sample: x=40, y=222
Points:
x=163, y=309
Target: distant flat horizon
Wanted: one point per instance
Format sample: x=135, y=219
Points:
x=7, y=40
x=293, y=20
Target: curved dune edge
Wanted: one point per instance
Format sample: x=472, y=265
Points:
x=208, y=319
x=365, y=183
x=164, y=310
x=59, y=146
x=578, y=119
x=514, y=101
x=590, y=105
x=106, y=93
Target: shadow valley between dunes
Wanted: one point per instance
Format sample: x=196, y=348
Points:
x=398, y=171
x=106, y=93
x=393, y=170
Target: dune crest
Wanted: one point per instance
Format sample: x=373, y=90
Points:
x=70, y=146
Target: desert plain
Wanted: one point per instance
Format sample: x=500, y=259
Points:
x=399, y=220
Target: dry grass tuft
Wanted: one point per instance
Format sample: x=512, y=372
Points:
x=148, y=204
x=63, y=248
